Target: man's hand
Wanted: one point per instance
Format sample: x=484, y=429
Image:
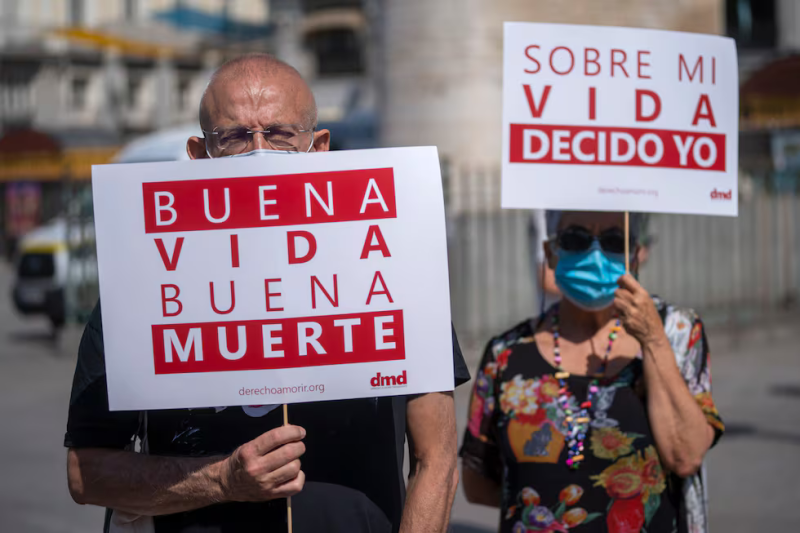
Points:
x=638, y=313
x=267, y=467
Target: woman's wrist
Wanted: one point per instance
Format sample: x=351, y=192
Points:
x=655, y=342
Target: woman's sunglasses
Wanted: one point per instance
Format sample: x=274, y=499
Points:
x=580, y=239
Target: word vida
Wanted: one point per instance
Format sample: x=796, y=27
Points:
x=286, y=342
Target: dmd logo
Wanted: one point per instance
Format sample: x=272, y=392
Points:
x=720, y=195
x=389, y=381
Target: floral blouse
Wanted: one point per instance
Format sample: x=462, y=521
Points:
x=516, y=438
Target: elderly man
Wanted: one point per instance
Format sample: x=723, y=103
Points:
x=230, y=469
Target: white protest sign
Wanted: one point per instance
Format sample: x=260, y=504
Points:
x=276, y=279
x=617, y=119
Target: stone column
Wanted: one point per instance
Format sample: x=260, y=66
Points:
x=165, y=83
x=788, y=15
x=442, y=62
x=288, y=40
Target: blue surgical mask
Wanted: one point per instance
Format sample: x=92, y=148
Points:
x=589, y=279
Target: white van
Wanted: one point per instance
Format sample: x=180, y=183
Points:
x=49, y=261
x=164, y=145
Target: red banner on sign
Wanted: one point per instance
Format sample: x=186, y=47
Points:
x=262, y=201
x=589, y=145
x=285, y=343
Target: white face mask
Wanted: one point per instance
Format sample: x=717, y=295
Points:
x=257, y=153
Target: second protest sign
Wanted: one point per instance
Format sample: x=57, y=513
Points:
x=619, y=119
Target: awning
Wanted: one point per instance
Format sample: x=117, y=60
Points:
x=187, y=18
x=334, y=19
x=770, y=98
x=103, y=40
x=32, y=155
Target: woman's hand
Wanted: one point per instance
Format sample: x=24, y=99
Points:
x=680, y=429
x=638, y=313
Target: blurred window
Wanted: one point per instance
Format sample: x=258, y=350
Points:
x=751, y=22
x=78, y=90
x=14, y=92
x=36, y=266
x=336, y=51
x=134, y=90
x=9, y=11
x=131, y=10
x=184, y=87
x=77, y=12
x=318, y=5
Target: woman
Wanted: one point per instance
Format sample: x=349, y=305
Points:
x=596, y=416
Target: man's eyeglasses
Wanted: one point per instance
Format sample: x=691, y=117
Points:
x=238, y=140
x=580, y=239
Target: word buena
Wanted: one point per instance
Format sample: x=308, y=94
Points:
x=252, y=202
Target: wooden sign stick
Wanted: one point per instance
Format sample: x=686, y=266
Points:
x=289, y=499
x=627, y=246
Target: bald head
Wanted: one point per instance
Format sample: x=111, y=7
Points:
x=257, y=92
x=249, y=84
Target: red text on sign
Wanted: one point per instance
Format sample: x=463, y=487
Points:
x=272, y=344
x=253, y=202
x=722, y=195
x=697, y=69
x=562, y=61
x=225, y=294
x=588, y=145
x=648, y=105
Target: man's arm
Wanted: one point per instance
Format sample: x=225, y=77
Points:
x=265, y=468
x=434, y=476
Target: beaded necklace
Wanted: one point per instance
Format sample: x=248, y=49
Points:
x=578, y=423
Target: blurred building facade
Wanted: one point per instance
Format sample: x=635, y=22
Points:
x=768, y=37
x=444, y=59
x=126, y=66
x=331, y=43
x=78, y=78
x=442, y=84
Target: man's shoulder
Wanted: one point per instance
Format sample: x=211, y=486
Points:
x=91, y=357
x=91, y=346
x=95, y=322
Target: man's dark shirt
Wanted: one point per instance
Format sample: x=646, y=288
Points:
x=350, y=444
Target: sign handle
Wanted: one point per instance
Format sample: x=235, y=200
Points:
x=627, y=246
x=289, y=499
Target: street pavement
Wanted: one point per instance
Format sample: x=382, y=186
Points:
x=35, y=380
x=754, y=472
